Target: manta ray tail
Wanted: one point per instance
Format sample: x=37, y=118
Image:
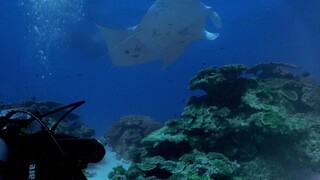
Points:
x=115, y=37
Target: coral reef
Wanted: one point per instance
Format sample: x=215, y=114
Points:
x=273, y=70
x=71, y=125
x=196, y=165
x=251, y=123
x=127, y=132
x=213, y=79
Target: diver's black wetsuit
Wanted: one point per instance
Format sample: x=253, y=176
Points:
x=34, y=157
x=44, y=155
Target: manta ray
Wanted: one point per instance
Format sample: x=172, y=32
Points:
x=164, y=32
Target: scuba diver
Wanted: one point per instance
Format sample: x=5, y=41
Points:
x=43, y=154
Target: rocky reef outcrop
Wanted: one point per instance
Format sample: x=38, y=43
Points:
x=258, y=122
x=71, y=125
x=127, y=132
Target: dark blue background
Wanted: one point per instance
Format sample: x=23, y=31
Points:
x=74, y=64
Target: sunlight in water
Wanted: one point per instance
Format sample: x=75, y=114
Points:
x=47, y=24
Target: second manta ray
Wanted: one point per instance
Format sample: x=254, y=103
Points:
x=167, y=28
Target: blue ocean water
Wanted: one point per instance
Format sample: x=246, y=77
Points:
x=52, y=50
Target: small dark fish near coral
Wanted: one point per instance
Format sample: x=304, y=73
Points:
x=306, y=74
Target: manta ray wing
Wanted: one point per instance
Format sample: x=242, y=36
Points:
x=170, y=26
x=167, y=28
x=124, y=49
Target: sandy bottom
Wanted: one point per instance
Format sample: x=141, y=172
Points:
x=100, y=171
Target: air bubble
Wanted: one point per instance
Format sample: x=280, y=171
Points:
x=36, y=29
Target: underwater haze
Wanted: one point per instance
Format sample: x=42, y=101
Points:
x=52, y=50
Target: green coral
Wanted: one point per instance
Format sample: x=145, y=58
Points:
x=118, y=173
x=290, y=94
x=278, y=123
x=252, y=99
x=262, y=169
x=307, y=151
x=159, y=136
x=262, y=121
x=219, y=83
x=197, y=177
x=195, y=165
x=210, y=165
